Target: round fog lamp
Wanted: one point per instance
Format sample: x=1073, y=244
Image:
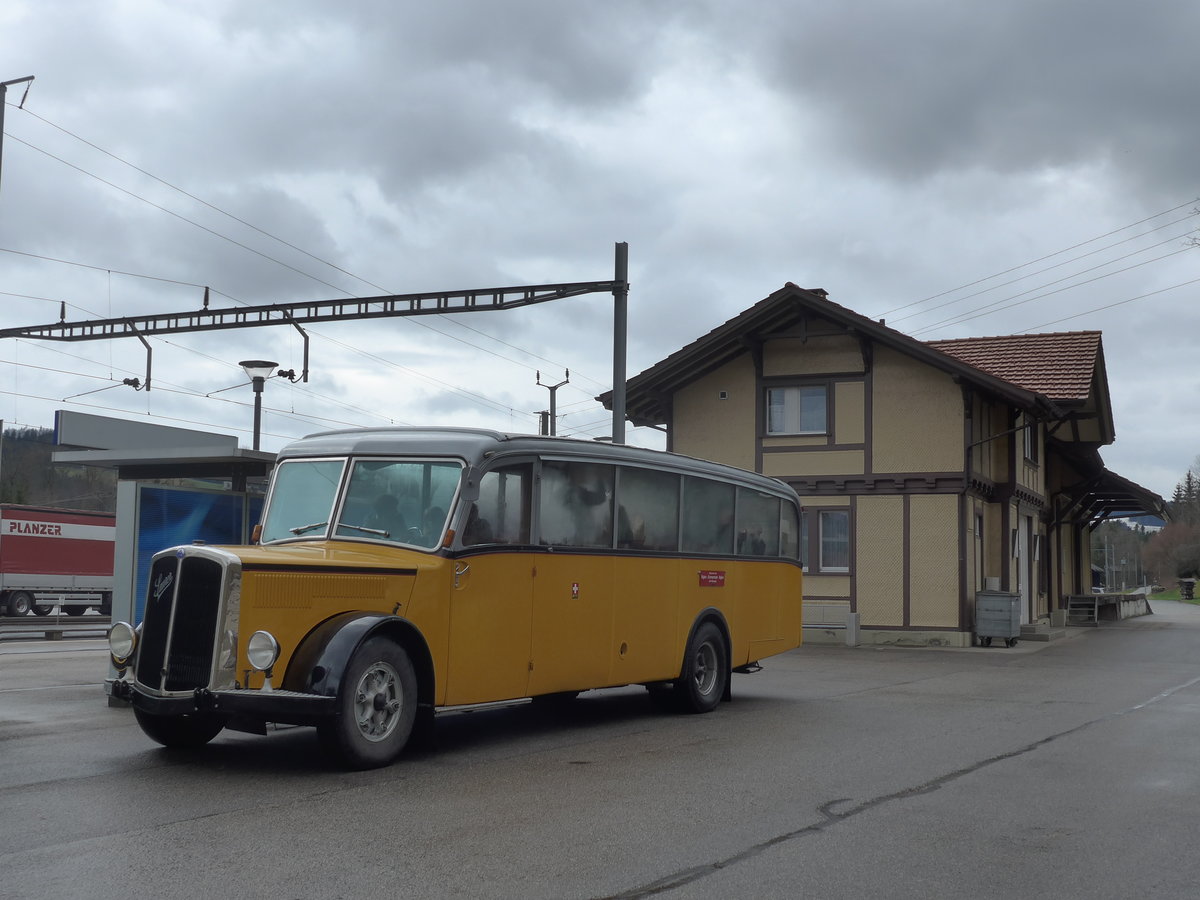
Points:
x=262, y=650
x=122, y=640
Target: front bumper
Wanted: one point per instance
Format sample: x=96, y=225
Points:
x=285, y=707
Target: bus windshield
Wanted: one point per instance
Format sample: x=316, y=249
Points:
x=302, y=496
x=402, y=501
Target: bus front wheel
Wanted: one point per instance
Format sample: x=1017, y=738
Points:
x=377, y=706
x=702, y=681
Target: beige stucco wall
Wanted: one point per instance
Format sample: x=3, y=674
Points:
x=850, y=412
x=993, y=542
x=1032, y=475
x=989, y=457
x=879, y=560
x=917, y=417
x=710, y=428
x=831, y=462
x=827, y=587
x=819, y=355
x=933, y=561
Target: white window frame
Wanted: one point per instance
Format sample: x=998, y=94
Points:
x=795, y=393
x=845, y=513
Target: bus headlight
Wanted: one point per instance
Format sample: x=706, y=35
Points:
x=122, y=641
x=262, y=650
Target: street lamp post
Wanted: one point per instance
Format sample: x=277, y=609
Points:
x=258, y=371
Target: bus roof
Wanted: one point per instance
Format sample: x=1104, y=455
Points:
x=475, y=445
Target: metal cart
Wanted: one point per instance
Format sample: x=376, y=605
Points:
x=997, y=615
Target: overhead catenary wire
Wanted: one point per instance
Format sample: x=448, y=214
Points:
x=1045, y=257
x=1110, y=262
x=274, y=238
x=989, y=310
x=482, y=399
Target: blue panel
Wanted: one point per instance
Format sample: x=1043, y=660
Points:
x=171, y=516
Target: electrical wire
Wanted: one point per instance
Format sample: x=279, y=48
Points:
x=275, y=238
x=987, y=309
x=1110, y=262
x=1048, y=256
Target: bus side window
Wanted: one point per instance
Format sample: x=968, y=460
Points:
x=707, y=516
x=501, y=514
x=648, y=514
x=576, y=507
x=757, y=523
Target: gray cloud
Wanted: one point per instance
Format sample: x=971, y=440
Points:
x=885, y=152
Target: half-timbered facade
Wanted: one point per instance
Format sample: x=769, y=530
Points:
x=929, y=470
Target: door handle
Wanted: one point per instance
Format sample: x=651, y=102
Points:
x=460, y=570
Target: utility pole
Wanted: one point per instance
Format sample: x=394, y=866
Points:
x=27, y=80
x=553, y=388
x=620, y=327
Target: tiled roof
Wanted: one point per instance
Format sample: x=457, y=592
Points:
x=1059, y=366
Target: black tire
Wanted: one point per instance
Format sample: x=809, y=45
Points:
x=40, y=609
x=180, y=732
x=75, y=610
x=376, y=707
x=20, y=603
x=701, y=683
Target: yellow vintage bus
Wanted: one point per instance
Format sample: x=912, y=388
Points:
x=400, y=570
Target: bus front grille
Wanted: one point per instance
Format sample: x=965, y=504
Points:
x=179, y=630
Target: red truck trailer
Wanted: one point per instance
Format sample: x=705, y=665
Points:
x=55, y=557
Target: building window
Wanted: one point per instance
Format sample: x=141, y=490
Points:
x=835, y=540
x=1031, y=438
x=797, y=409
x=831, y=542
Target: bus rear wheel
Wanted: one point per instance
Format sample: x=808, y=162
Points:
x=702, y=682
x=376, y=707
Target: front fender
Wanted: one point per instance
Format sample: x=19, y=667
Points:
x=319, y=662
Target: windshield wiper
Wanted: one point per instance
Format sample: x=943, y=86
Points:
x=301, y=529
x=378, y=531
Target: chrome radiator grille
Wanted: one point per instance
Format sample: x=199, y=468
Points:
x=179, y=631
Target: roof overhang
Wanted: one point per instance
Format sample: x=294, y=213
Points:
x=1106, y=495
x=178, y=462
x=647, y=393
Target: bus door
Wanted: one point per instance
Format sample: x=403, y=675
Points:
x=491, y=599
x=573, y=585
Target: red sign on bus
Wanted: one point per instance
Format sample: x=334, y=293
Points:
x=709, y=578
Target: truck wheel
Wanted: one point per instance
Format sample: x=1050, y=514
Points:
x=20, y=603
x=179, y=731
x=705, y=671
x=376, y=707
x=75, y=610
x=42, y=610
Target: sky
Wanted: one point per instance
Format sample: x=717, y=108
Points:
x=957, y=168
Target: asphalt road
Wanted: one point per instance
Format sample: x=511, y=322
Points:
x=1062, y=770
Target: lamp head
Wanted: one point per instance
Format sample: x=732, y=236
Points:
x=258, y=368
